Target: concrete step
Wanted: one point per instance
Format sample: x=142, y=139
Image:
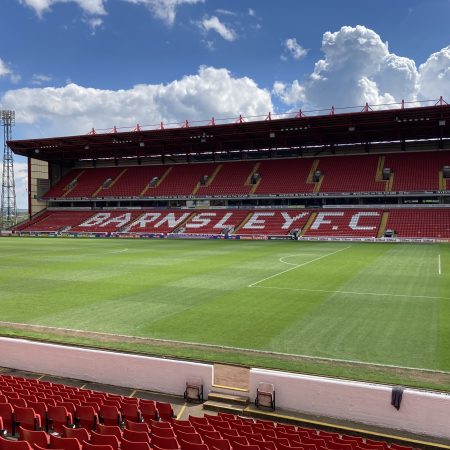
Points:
x=224, y=407
x=232, y=399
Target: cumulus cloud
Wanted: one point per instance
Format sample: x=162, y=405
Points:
x=213, y=23
x=164, y=10
x=75, y=109
x=357, y=67
x=435, y=75
x=92, y=7
x=294, y=49
x=290, y=94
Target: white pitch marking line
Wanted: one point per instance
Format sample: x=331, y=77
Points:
x=351, y=292
x=119, y=251
x=299, y=265
x=439, y=264
x=282, y=259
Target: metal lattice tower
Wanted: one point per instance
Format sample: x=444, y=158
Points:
x=8, y=215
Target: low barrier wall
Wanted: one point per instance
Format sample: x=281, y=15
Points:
x=119, y=369
x=420, y=412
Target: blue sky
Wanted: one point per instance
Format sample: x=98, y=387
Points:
x=70, y=65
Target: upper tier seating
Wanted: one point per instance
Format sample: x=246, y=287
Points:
x=350, y=174
x=358, y=173
x=230, y=178
x=417, y=171
x=285, y=176
x=182, y=179
x=134, y=182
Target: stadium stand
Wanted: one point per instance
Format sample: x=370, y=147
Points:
x=416, y=171
x=417, y=223
x=209, y=432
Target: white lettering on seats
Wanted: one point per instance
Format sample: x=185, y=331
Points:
x=200, y=220
x=119, y=220
x=222, y=222
x=145, y=219
x=321, y=219
x=355, y=219
x=255, y=223
x=288, y=220
x=172, y=222
x=95, y=220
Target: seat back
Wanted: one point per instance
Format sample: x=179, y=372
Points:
x=64, y=443
x=128, y=445
x=34, y=437
x=111, y=430
x=105, y=439
x=58, y=416
x=6, y=412
x=81, y=434
x=6, y=444
x=26, y=418
x=110, y=415
x=136, y=436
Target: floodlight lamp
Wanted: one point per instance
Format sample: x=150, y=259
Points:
x=442, y=123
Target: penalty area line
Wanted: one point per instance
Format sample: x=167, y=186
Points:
x=377, y=294
x=298, y=266
x=439, y=265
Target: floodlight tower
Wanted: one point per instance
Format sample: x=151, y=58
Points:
x=8, y=214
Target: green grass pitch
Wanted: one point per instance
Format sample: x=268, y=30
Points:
x=386, y=304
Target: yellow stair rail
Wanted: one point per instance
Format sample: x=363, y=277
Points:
x=247, y=218
x=73, y=187
x=166, y=173
x=308, y=223
x=383, y=223
x=248, y=181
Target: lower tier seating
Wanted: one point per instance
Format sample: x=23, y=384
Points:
x=362, y=223
x=71, y=418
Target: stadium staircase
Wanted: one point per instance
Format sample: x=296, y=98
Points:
x=383, y=223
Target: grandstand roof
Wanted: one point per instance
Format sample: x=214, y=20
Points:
x=299, y=131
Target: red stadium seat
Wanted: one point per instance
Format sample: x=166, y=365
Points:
x=136, y=436
x=40, y=438
x=105, y=439
x=58, y=416
x=110, y=430
x=129, y=445
x=82, y=434
x=64, y=443
x=6, y=444
x=27, y=418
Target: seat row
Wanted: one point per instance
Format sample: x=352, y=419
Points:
x=221, y=432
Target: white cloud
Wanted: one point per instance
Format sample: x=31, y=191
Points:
x=225, y=12
x=92, y=7
x=251, y=12
x=75, y=109
x=164, y=10
x=292, y=94
x=39, y=79
x=213, y=23
x=21, y=183
x=294, y=49
x=357, y=67
x=6, y=71
x=435, y=76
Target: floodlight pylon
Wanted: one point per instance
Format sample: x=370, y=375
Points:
x=8, y=213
